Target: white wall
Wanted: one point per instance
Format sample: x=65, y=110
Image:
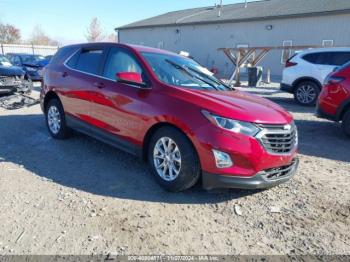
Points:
x=202, y=41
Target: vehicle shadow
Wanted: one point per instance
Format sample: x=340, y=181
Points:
x=88, y=165
x=292, y=106
x=323, y=139
x=287, y=101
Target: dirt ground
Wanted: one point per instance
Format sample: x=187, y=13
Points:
x=80, y=196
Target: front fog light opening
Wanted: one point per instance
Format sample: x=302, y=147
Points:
x=222, y=160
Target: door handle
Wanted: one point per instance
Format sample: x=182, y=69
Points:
x=99, y=85
x=64, y=74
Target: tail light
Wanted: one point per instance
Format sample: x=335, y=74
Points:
x=290, y=64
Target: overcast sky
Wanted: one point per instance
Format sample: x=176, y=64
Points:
x=66, y=20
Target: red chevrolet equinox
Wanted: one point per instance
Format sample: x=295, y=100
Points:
x=334, y=100
x=172, y=112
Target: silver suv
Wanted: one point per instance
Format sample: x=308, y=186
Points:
x=306, y=71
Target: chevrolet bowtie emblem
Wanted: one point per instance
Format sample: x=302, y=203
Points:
x=287, y=127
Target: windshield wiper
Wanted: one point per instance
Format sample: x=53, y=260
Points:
x=217, y=81
x=184, y=69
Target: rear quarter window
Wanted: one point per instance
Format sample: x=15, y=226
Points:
x=89, y=61
x=322, y=58
x=63, y=54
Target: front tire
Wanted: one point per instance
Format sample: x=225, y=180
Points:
x=306, y=93
x=173, y=160
x=55, y=120
x=346, y=123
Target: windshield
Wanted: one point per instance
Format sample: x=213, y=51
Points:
x=183, y=72
x=4, y=61
x=32, y=59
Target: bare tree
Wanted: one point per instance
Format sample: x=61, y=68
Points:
x=111, y=38
x=94, y=31
x=39, y=37
x=9, y=34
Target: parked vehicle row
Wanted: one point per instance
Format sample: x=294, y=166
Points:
x=166, y=108
x=12, y=78
x=32, y=64
x=17, y=71
x=305, y=72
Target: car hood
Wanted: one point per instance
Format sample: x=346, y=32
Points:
x=11, y=71
x=240, y=106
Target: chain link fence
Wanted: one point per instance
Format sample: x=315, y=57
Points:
x=28, y=49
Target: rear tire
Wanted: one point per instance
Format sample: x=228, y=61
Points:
x=173, y=160
x=346, y=123
x=306, y=93
x=56, y=120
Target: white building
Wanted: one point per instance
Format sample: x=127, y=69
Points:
x=201, y=31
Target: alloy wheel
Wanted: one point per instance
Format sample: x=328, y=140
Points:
x=306, y=94
x=54, y=119
x=167, y=159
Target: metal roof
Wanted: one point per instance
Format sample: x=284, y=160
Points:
x=257, y=10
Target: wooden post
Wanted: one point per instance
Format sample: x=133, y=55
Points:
x=238, y=69
x=2, y=49
x=268, y=76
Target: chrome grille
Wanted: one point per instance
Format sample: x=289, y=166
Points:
x=280, y=172
x=278, y=139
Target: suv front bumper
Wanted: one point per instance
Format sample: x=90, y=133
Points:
x=264, y=179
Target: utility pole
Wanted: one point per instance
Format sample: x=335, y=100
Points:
x=220, y=6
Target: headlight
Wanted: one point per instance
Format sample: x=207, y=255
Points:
x=31, y=69
x=235, y=126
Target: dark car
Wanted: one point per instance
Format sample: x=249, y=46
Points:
x=48, y=58
x=12, y=78
x=31, y=64
x=171, y=111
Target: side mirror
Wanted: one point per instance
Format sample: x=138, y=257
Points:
x=131, y=78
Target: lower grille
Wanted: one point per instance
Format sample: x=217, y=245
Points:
x=278, y=139
x=280, y=172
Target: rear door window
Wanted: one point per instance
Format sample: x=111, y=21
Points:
x=89, y=61
x=328, y=58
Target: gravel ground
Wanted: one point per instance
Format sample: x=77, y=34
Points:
x=83, y=197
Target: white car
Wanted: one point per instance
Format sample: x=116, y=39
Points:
x=306, y=71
